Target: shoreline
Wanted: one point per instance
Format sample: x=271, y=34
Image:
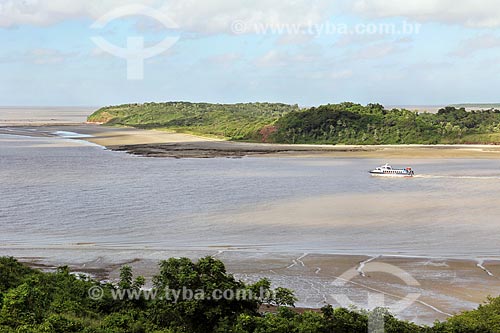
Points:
x=446, y=285
x=313, y=276
x=153, y=143
x=239, y=149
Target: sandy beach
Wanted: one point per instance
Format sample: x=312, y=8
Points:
x=152, y=143
x=164, y=144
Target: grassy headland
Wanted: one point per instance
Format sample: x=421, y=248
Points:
x=231, y=121
x=345, y=123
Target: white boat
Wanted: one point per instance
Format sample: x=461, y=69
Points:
x=389, y=171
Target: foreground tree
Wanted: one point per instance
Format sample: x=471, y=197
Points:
x=37, y=302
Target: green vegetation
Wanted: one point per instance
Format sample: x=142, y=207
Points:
x=346, y=123
x=349, y=123
x=32, y=301
x=235, y=121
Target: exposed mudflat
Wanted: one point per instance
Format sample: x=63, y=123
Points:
x=151, y=143
x=211, y=149
x=432, y=288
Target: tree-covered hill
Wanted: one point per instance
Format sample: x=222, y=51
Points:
x=345, y=123
x=349, y=123
x=233, y=121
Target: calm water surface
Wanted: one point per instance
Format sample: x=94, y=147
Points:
x=58, y=192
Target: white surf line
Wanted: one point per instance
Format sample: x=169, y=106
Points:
x=480, y=263
x=434, y=308
x=71, y=135
x=362, y=264
x=302, y=257
x=218, y=253
x=294, y=262
x=436, y=264
x=396, y=296
x=78, y=138
x=298, y=260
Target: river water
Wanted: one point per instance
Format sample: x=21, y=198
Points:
x=61, y=192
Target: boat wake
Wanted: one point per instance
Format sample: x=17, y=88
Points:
x=458, y=177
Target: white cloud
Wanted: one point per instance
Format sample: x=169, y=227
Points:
x=39, y=56
x=277, y=58
x=294, y=39
x=224, y=59
x=46, y=12
x=471, y=13
x=212, y=16
x=273, y=58
x=326, y=74
x=377, y=51
x=429, y=66
x=46, y=56
x=215, y=16
x=209, y=16
x=472, y=45
x=343, y=74
x=357, y=39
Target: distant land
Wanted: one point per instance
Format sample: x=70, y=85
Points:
x=43, y=115
x=477, y=105
x=436, y=108
x=334, y=124
x=419, y=108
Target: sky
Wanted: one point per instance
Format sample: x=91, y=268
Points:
x=306, y=52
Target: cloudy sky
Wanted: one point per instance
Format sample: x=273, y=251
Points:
x=395, y=52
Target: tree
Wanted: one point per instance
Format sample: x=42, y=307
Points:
x=25, y=304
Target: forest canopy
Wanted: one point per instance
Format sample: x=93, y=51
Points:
x=345, y=123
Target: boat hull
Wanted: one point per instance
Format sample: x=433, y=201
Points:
x=392, y=175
